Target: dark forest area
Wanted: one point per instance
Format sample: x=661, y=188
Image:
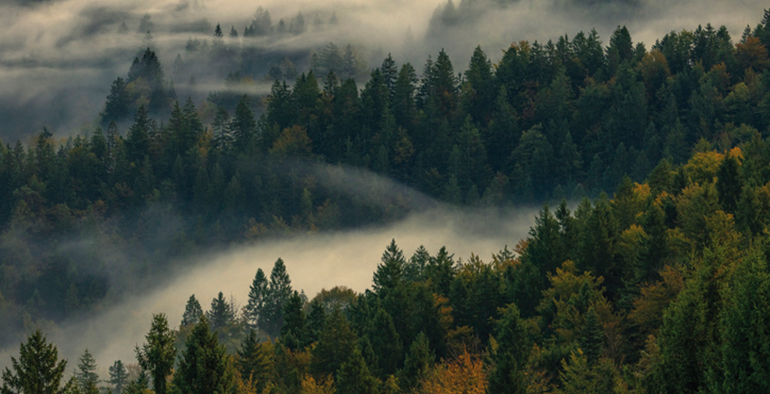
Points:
x=646, y=269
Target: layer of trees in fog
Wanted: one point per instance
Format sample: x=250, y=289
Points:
x=660, y=288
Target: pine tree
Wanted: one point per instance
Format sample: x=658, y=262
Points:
x=86, y=375
x=253, y=361
x=158, y=354
x=118, y=377
x=417, y=362
x=37, y=371
x=335, y=344
x=257, y=297
x=221, y=313
x=354, y=376
x=511, y=354
x=592, y=338
x=278, y=294
x=729, y=184
x=204, y=365
x=192, y=312
x=294, y=330
x=386, y=343
x=390, y=273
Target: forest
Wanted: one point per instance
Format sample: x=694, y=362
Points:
x=646, y=269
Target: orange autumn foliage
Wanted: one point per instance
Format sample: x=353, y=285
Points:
x=464, y=375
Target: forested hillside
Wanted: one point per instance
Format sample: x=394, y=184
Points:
x=657, y=282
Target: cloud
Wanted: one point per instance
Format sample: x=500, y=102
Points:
x=314, y=262
x=58, y=58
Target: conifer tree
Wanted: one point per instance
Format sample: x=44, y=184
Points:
x=354, y=376
x=729, y=184
x=192, y=312
x=118, y=377
x=253, y=361
x=335, y=344
x=294, y=330
x=592, y=338
x=257, y=298
x=221, y=313
x=38, y=369
x=158, y=354
x=417, y=363
x=386, y=343
x=390, y=273
x=511, y=354
x=86, y=375
x=277, y=296
x=204, y=365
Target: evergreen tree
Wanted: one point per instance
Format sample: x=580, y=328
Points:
x=729, y=184
x=335, y=345
x=118, y=377
x=278, y=293
x=417, y=363
x=257, y=297
x=386, y=343
x=192, y=312
x=37, y=371
x=158, y=354
x=354, y=376
x=592, y=338
x=117, y=107
x=390, y=273
x=294, y=330
x=204, y=365
x=221, y=313
x=86, y=375
x=254, y=362
x=511, y=354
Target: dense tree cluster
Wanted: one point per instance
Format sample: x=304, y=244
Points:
x=660, y=288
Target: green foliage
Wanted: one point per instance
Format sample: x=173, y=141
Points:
x=118, y=377
x=204, y=366
x=86, y=375
x=38, y=369
x=158, y=354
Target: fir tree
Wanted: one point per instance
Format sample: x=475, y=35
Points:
x=158, y=354
x=86, y=375
x=118, y=377
x=37, y=371
x=257, y=297
x=221, y=313
x=204, y=365
x=192, y=312
x=354, y=377
x=253, y=361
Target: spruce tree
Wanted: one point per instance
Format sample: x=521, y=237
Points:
x=417, y=363
x=86, y=375
x=38, y=369
x=510, y=356
x=253, y=362
x=354, y=376
x=390, y=273
x=257, y=297
x=158, y=354
x=221, y=313
x=278, y=295
x=192, y=312
x=204, y=366
x=335, y=344
x=118, y=377
x=294, y=330
x=591, y=339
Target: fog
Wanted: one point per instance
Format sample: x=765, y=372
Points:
x=314, y=262
x=58, y=57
